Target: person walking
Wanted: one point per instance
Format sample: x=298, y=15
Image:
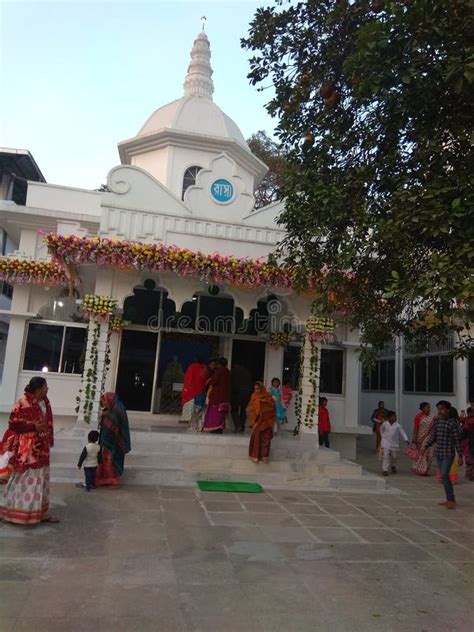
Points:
x=446, y=436
x=422, y=428
x=90, y=459
x=25, y=499
x=468, y=443
x=390, y=433
x=262, y=418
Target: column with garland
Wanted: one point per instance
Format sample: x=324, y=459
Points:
x=318, y=330
x=100, y=311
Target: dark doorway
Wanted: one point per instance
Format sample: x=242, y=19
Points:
x=250, y=354
x=136, y=369
x=177, y=352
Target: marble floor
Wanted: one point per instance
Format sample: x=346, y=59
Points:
x=166, y=559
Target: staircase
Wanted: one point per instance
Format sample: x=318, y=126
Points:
x=181, y=457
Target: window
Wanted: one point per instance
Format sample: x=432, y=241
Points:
x=55, y=348
x=332, y=369
x=430, y=372
x=381, y=377
x=189, y=178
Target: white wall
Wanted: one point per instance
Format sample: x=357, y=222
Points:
x=63, y=390
x=59, y=198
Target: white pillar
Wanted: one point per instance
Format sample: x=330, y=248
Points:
x=310, y=389
x=93, y=375
x=461, y=382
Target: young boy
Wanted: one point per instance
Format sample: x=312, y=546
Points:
x=90, y=458
x=324, y=422
x=390, y=432
x=446, y=435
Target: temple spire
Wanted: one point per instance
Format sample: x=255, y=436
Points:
x=198, y=81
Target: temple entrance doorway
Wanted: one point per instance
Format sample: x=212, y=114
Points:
x=177, y=351
x=249, y=354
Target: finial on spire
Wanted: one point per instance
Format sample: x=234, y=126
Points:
x=203, y=21
x=198, y=80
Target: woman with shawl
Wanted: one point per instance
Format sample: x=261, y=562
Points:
x=218, y=399
x=261, y=418
x=193, y=395
x=422, y=427
x=114, y=440
x=28, y=440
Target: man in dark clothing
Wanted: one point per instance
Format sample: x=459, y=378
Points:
x=242, y=388
x=446, y=435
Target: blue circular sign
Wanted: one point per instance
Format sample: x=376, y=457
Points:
x=222, y=190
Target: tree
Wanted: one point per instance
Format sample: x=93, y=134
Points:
x=271, y=154
x=381, y=92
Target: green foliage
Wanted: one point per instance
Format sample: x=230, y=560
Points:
x=382, y=185
x=271, y=154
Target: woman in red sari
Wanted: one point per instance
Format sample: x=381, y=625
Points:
x=261, y=413
x=30, y=436
x=114, y=440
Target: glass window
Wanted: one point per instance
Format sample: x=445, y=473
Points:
x=43, y=347
x=381, y=377
x=189, y=178
x=332, y=367
x=420, y=375
x=446, y=374
x=428, y=374
x=408, y=375
x=74, y=350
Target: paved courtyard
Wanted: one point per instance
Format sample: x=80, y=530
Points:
x=171, y=559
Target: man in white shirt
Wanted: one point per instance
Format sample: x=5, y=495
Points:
x=391, y=432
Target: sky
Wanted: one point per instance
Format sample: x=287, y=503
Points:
x=78, y=77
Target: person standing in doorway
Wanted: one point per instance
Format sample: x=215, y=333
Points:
x=378, y=417
x=218, y=398
x=324, y=422
x=391, y=431
x=193, y=395
x=446, y=436
x=241, y=391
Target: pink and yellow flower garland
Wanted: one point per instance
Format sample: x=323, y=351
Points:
x=240, y=272
x=27, y=271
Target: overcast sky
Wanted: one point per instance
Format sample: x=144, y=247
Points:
x=78, y=77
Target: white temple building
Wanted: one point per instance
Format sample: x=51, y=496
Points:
x=187, y=179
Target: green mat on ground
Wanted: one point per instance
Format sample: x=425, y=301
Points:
x=228, y=486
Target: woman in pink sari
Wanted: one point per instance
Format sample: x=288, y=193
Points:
x=422, y=427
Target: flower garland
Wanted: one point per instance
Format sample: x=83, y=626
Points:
x=102, y=308
x=28, y=271
x=279, y=339
x=320, y=329
x=117, y=323
x=89, y=378
x=215, y=268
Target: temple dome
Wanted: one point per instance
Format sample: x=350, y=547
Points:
x=193, y=114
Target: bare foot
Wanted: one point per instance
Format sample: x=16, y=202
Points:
x=253, y=460
x=266, y=460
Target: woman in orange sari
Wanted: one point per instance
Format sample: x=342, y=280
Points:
x=261, y=413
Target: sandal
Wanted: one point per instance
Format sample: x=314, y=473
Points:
x=51, y=520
